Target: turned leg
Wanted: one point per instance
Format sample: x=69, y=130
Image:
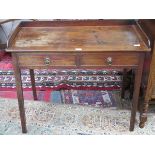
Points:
x=33, y=84
x=147, y=94
x=143, y=114
x=17, y=73
x=137, y=83
x=123, y=83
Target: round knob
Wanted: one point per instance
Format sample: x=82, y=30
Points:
x=47, y=60
x=109, y=61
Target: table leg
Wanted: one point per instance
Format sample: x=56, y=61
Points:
x=17, y=73
x=143, y=115
x=137, y=83
x=33, y=84
x=123, y=83
x=131, y=88
x=144, y=109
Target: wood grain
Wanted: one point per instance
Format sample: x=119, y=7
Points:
x=19, y=88
x=84, y=38
x=32, y=77
x=39, y=60
x=137, y=83
x=118, y=59
x=149, y=27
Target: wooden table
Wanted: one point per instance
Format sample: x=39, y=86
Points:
x=92, y=44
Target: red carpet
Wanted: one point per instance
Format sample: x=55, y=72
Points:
x=42, y=95
x=81, y=97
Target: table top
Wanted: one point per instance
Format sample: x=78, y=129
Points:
x=78, y=38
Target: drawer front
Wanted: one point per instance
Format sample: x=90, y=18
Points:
x=77, y=60
x=110, y=59
x=47, y=60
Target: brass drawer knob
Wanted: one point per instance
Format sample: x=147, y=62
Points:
x=47, y=61
x=109, y=61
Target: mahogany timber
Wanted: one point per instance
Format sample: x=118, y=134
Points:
x=85, y=60
x=78, y=44
x=149, y=70
x=72, y=38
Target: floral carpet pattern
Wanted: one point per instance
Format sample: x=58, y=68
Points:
x=69, y=119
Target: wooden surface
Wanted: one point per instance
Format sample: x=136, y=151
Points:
x=149, y=28
x=20, y=96
x=153, y=93
x=137, y=83
x=77, y=44
x=79, y=38
x=85, y=60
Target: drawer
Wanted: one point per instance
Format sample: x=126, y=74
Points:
x=109, y=59
x=47, y=60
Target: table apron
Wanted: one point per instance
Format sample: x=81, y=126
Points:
x=79, y=60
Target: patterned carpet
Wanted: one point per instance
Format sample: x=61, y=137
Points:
x=69, y=119
x=81, y=97
x=100, y=79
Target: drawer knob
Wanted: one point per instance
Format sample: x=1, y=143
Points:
x=109, y=60
x=47, y=60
